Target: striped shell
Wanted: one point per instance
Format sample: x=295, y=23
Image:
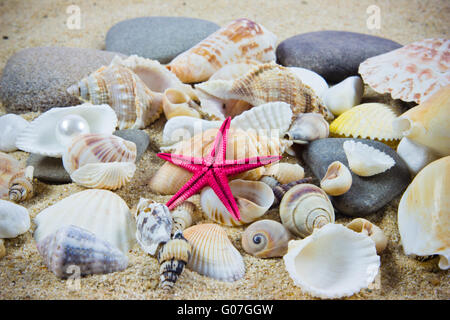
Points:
x=108, y=175
x=283, y=173
x=21, y=185
x=8, y=168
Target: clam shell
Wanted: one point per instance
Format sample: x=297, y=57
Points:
x=365, y=160
x=283, y=173
x=239, y=40
x=337, y=179
x=182, y=128
x=99, y=211
x=307, y=127
x=39, y=137
x=12, y=125
x=14, y=219
x=344, y=96
x=333, y=262
x=368, y=228
x=415, y=155
x=177, y=103
x=312, y=79
x=411, y=73
x=213, y=254
x=8, y=168
x=109, y=175
x=424, y=213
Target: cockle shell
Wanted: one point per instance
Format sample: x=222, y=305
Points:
x=424, y=213
x=183, y=216
x=266, y=239
x=337, y=179
x=39, y=137
x=344, y=96
x=268, y=83
x=213, y=254
x=305, y=207
x=332, y=262
x=153, y=225
x=12, y=125
x=312, y=79
x=368, y=228
x=9, y=167
x=253, y=199
x=182, y=128
x=72, y=250
x=14, y=220
x=307, y=127
x=428, y=123
x=282, y=173
x=365, y=160
x=100, y=211
x=109, y=175
x=411, y=73
x=239, y=40
x=97, y=148
x=415, y=155
x=21, y=185
x=177, y=103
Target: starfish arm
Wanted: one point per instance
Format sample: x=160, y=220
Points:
x=219, y=183
x=218, y=151
x=195, y=184
x=232, y=167
x=189, y=163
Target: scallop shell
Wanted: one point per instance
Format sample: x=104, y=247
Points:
x=177, y=103
x=213, y=254
x=365, y=160
x=424, y=213
x=72, y=249
x=239, y=40
x=333, y=262
x=253, y=199
x=99, y=211
x=12, y=125
x=312, y=79
x=110, y=175
x=97, y=148
x=183, y=216
x=368, y=228
x=9, y=167
x=415, y=155
x=182, y=128
x=344, y=96
x=305, y=207
x=39, y=137
x=266, y=239
x=308, y=127
x=368, y=121
x=411, y=73
x=21, y=185
x=282, y=173
x=337, y=179
x=14, y=220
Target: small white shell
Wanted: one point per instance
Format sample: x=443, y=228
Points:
x=312, y=79
x=365, y=160
x=109, y=175
x=415, y=155
x=182, y=128
x=11, y=125
x=14, y=219
x=337, y=179
x=308, y=127
x=369, y=229
x=344, y=96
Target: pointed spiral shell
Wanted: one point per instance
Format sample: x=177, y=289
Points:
x=21, y=185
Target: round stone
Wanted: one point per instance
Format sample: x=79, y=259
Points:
x=69, y=127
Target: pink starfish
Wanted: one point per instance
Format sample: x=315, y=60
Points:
x=213, y=171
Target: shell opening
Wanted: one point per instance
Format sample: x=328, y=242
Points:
x=402, y=126
x=176, y=96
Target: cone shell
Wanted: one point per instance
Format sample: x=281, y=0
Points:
x=308, y=127
x=424, y=213
x=9, y=167
x=284, y=173
x=337, y=179
x=239, y=40
x=411, y=73
x=213, y=254
x=177, y=103
x=99, y=211
x=71, y=249
x=14, y=219
x=110, y=175
x=368, y=228
x=12, y=125
x=333, y=262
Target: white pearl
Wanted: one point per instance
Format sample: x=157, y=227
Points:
x=69, y=127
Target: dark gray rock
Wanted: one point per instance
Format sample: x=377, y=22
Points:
x=158, y=38
x=36, y=79
x=139, y=137
x=48, y=169
x=367, y=194
x=335, y=55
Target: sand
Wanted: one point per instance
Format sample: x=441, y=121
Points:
x=43, y=23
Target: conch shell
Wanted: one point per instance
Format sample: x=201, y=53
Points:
x=308, y=127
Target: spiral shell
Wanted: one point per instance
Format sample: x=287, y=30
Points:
x=305, y=207
x=368, y=228
x=21, y=185
x=109, y=175
x=282, y=173
x=9, y=167
x=177, y=103
x=337, y=179
x=308, y=127
x=183, y=216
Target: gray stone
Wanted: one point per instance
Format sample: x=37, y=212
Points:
x=158, y=38
x=48, y=169
x=36, y=79
x=139, y=137
x=367, y=194
x=335, y=55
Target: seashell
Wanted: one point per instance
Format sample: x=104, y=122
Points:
x=109, y=175
x=99, y=211
x=213, y=254
x=423, y=213
x=427, y=123
x=365, y=160
x=279, y=190
x=333, y=262
x=14, y=220
x=415, y=155
x=305, y=207
x=411, y=73
x=311, y=79
x=177, y=103
x=153, y=225
x=369, y=229
x=344, y=96
x=235, y=70
x=40, y=136
x=239, y=40
x=134, y=103
x=271, y=119
x=173, y=257
x=97, y=148
x=9, y=167
x=367, y=121
x=307, y=127
x=2, y=249
x=253, y=199
x=337, y=179
x=12, y=125
x=266, y=239
x=182, y=128
x=73, y=250
x=182, y=216
x=268, y=83
x=21, y=185
x=282, y=173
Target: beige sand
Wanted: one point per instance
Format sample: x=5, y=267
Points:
x=42, y=23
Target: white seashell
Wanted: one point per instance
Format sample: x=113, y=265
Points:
x=14, y=219
x=365, y=160
x=100, y=211
x=424, y=211
x=109, y=175
x=337, y=179
x=333, y=262
x=308, y=127
x=40, y=138
x=253, y=199
x=177, y=103
x=369, y=229
x=234, y=70
x=344, y=96
x=11, y=126
x=182, y=128
x=415, y=155
x=312, y=79
x=282, y=173
x=213, y=254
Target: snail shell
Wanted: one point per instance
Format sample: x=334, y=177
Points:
x=182, y=216
x=368, y=228
x=337, y=179
x=305, y=207
x=21, y=185
x=280, y=189
x=308, y=127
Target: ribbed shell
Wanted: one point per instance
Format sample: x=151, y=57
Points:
x=284, y=172
x=8, y=168
x=110, y=175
